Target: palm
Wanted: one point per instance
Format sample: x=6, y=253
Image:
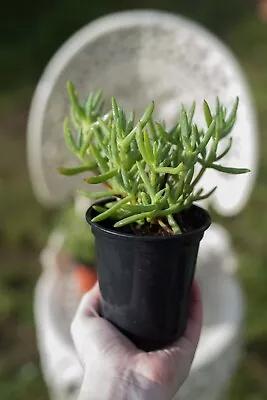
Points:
x=153, y=375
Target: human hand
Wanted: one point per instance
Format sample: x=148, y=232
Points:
x=114, y=368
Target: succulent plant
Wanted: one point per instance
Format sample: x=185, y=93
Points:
x=150, y=172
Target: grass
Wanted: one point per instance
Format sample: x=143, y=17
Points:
x=25, y=226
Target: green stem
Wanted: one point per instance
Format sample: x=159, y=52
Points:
x=173, y=224
x=198, y=177
x=111, y=210
x=165, y=227
x=145, y=179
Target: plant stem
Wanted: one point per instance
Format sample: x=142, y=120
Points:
x=198, y=177
x=173, y=224
x=165, y=227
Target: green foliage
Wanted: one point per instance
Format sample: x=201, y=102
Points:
x=151, y=172
x=79, y=241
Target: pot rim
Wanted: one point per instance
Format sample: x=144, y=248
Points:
x=116, y=233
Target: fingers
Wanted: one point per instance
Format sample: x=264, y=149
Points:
x=87, y=311
x=90, y=303
x=94, y=337
x=187, y=344
x=185, y=348
x=177, y=358
x=194, y=323
x=97, y=340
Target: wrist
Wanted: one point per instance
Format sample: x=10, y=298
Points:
x=100, y=385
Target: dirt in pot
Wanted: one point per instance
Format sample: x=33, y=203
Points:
x=188, y=220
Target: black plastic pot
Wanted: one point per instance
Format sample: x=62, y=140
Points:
x=145, y=281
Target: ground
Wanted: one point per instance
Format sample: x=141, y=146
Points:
x=25, y=226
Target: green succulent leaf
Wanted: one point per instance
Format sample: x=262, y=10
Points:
x=102, y=178
x=226, y=151
x=144, y=177
x=228, y=170
x=69, y=139
x=191, y=113
x=168, y=138
x=132, y=219
x=207, y=113
x=77, y=170
x=204, y=196
x=111, y=210
x=97, y=99
x=88, y=107
x=170, y=170
x=143, y=121
x=74, y=100
x=99, y=195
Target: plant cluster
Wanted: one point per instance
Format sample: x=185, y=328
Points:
x=150, y=172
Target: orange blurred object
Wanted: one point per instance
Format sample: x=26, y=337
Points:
x=86, y=277
x=263, y=10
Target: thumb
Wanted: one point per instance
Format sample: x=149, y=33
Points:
x=84, y=318
x=94, y=337
x=173, y=363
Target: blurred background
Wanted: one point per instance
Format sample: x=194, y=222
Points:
x=30, y=33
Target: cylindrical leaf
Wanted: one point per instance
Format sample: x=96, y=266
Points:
x=207, y=113
x=111, y=210
x=69, y=140
x=101, y=178
x=145, y=179
x=74, y=100
x=228, y=170
x=77, y=170
x=169, y=170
